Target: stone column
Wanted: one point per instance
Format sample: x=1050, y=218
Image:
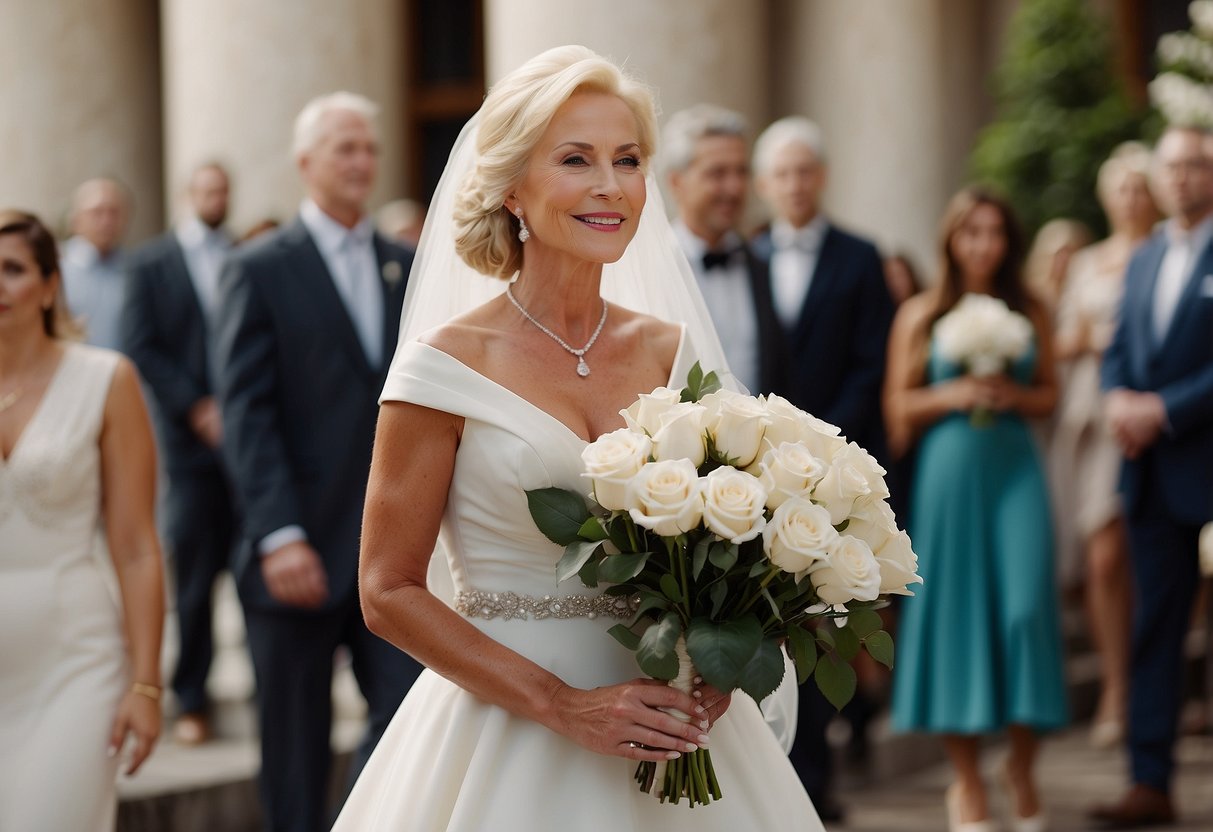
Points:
x=237, y=73
x=690, y=51
x=81, y=99
x=900, y=91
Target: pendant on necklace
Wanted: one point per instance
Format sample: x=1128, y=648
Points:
x=583, y=369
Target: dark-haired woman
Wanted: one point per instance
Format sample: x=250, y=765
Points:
x=979, y=648
x=79, y=670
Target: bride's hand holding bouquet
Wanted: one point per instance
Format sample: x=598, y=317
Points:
x=729, y=523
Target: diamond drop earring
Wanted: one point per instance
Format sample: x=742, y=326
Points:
x=524, y=233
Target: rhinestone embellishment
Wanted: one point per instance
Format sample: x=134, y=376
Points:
x=510, y=605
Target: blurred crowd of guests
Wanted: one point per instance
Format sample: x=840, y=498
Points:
x=262, y=358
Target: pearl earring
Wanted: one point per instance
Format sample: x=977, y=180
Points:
x=524, y=233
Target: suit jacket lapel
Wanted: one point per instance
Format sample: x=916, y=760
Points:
x=1139, y=311
x=320, y=290
x=392, y=278
x=769, y=328
x=184, y=281
x=1186, y=307
x=819, y=286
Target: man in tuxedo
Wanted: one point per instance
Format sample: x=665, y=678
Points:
x=832, y=316
x=705, y=158
x=309, y=316
x=167, y=323
x=1158, y=374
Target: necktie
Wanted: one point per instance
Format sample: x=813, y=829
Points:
x=364, y=302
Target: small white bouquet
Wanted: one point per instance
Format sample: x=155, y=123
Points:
x=983, y=335
x=730, y=522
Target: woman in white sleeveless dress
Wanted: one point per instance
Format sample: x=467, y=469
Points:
x=530, y=716
x=76, y=458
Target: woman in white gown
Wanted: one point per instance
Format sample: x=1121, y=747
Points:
x=530, y=716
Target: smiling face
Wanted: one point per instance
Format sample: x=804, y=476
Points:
x=584, y=187
x=711, y=190
x=339, y=169
x=24, y=291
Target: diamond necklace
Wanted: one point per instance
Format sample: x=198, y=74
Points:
x=583, y=369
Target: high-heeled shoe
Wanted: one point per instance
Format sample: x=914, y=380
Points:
x=1038, y=822
x=951, y=800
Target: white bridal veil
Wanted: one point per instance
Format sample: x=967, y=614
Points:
x=653, y=276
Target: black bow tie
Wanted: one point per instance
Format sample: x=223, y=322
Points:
x=717, y=259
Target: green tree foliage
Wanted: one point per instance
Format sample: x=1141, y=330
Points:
x=1061, y=109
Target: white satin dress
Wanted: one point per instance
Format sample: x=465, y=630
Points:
x=450, y=761
x=63, y=662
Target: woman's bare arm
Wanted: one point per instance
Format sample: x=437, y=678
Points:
x=410, y=476
x=128, y=481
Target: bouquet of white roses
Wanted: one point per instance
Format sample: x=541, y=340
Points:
x=730, y=522
x=982, y=334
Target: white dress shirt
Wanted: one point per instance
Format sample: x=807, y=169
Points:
x=95, y=288
x=793, y=261
x=726, y=290
x=349, y=254
x=1183, y=248
x=205, y=249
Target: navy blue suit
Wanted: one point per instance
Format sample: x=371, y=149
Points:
x=165, y=333
x=832, y=365
x=1168, y=492
x=300, y=401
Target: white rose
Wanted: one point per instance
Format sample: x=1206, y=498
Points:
x=839, y=488
x=897, y=563
x=680, y=434
x=798, y=536
x=788, y=423
x=733, y=505
x=666, y=497
x=611, y=460
x=878, y=513
x=789, y=470
x=736, y=424
x=645, y=413
x=850, y=573
x=875, y=534
x=866, y=465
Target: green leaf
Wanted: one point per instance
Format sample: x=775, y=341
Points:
x=592, y=529
x=880, y=647
x=669, y=585
x=656, y=655
x=576, y=555
x=619, y=568
x=764, y=671
x=835, y=679
x=617, y=530
x=721, y=651
x=759, y=568
x=589, y=573
x=699, y=555
x=802, y=647
x=775, y=611
x=719, y=593
x=864, y=621
x=624, y=636
x=723, y=555
x=826, y=636
x=845, y=642
x=690, y=393
x=558, y=513
x=649, y=601
x=710, y=384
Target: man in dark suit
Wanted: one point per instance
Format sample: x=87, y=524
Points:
x=171, y=288
x=309, y=317
x=1158, y=374
x=705, y=158
x=833, y=312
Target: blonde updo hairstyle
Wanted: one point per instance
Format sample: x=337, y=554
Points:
x=514, y=116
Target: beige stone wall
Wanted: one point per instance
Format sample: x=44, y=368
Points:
x=237, y=73
x=80, y=98
x=900, y=90
x=690, y=50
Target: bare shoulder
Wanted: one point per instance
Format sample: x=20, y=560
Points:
x=914, y=313
x=468, y=337
x=651, y=335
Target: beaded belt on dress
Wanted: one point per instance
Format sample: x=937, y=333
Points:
x=507, y=605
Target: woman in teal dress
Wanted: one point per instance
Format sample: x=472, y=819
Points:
x=979, y=649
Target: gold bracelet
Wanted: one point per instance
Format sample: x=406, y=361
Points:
x=152, y=692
